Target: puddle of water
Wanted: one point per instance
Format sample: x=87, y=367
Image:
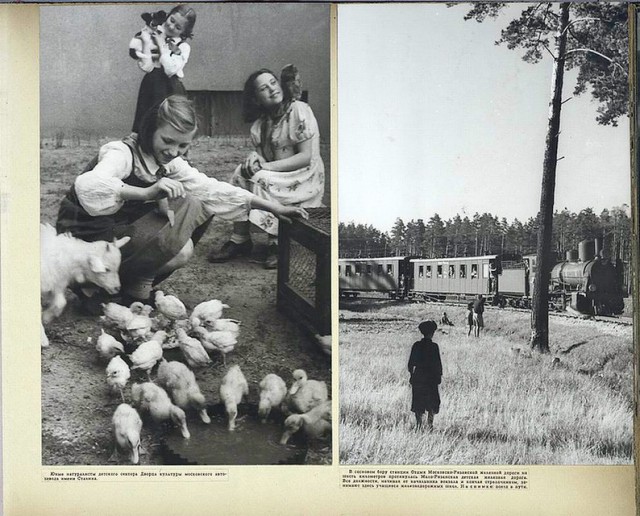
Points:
x=252, y=442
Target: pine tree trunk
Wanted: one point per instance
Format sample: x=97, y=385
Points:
x=540, y=309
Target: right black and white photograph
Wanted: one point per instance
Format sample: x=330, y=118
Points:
x=485, y=234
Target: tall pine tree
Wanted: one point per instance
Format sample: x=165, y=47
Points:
x=593, y=38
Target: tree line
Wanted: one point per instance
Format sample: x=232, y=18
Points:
x=488, y=234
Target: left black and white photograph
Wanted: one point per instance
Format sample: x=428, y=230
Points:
x=185, y=234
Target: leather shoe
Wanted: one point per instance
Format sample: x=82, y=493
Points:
x=229, y=251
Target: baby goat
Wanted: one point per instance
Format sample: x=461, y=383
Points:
x=65, y=260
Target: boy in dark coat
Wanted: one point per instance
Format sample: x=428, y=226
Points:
x=425, y=368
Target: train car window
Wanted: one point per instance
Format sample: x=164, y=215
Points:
x=358, y=269
x=369, y=269
x=463, y=271
x=474, y=270
x=339, y=270
x=380, y=269
x=428, y=271
x=485, y=270
x=421, y=271
x=347, y=270
x=389, y=268
x=452, y=271
x=439, y=271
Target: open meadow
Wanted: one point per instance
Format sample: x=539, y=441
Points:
x=76, y=405
x=501, y=404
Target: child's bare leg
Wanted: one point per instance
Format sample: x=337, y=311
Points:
x=418, y=420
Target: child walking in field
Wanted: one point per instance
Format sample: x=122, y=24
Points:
x=470, y=317
x=425, y=368
x=162, y=51
x=478, y=319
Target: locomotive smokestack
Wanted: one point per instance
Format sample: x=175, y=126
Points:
x=598, y=247
x=572, y=256
x=586, y=250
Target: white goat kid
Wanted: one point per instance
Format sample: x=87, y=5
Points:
x=65, y=260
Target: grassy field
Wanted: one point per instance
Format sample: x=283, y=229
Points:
x=501, y=404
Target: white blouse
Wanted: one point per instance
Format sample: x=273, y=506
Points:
x=172, y=64
x=98, y=190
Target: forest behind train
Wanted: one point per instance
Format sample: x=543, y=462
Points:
x=485, y=234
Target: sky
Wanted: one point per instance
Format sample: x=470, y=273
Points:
x=433, y=117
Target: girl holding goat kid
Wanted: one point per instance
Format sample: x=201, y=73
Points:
x=111, y=198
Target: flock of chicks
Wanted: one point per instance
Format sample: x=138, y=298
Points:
x=175, y=390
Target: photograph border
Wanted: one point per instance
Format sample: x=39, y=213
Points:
x=555, y=489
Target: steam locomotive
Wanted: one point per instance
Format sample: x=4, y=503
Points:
x=586, y=281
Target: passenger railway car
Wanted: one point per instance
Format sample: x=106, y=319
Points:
x=387, y=275
x=455, y=278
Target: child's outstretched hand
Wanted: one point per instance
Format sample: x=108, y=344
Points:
x=286, y=213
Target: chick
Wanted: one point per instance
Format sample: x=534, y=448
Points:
x=159, y=336
x=146, y=356
x=116, y=315
x=181, y=383
x=316, y=423
x=170, y=306
x=138, y=308
x=118, y=374
x=304, y=394
x=126, y=430
x=160, y=322
x=194, y=353
x=150, y=398
x=233, y=387
x=222, y=341
x=139, y=326
x=228, y=325
x=205, y=313
x=107, y=346
x=272, y=393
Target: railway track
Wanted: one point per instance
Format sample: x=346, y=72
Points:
x=616, y=320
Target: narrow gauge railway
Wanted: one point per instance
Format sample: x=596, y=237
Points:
x=586, y=281
x=609, y=319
